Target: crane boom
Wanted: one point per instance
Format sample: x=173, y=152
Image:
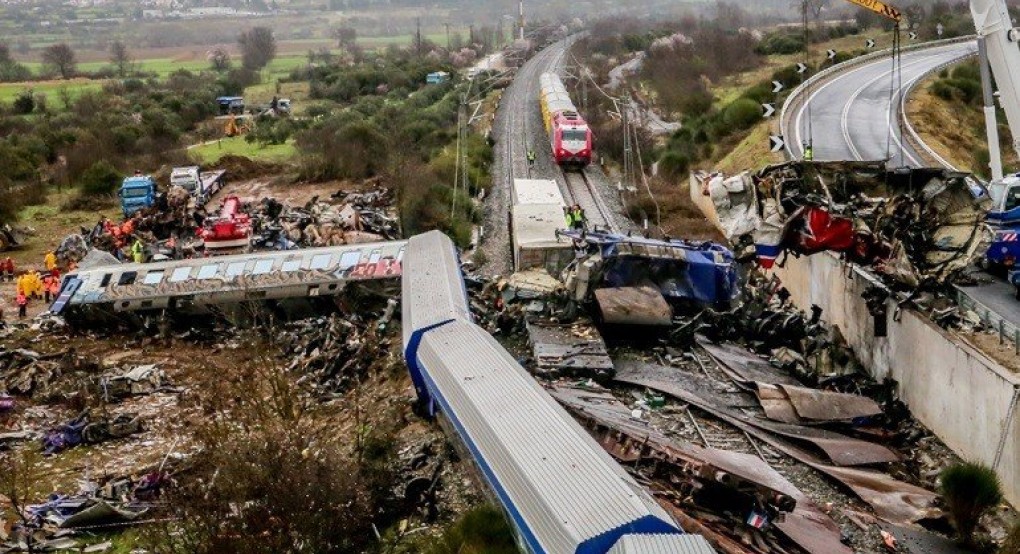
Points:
x=995, y=28
x=885, y=10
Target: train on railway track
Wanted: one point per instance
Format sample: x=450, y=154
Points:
x=569, y=135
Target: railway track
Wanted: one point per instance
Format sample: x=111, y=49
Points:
x=580, y=190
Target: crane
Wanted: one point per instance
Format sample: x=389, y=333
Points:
x=885, y=10
x=997, y=44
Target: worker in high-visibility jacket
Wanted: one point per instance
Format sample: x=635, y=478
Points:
x=809, y=152
x=576, y=219
x=51, y=261
x=22, y=301
x=138, y=251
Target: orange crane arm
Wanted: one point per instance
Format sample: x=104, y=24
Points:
x=885, y=10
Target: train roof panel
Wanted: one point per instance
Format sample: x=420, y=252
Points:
x=561, y=488
x=662, y=544
x=535, y=225
x=537, y=191
x=435, y=288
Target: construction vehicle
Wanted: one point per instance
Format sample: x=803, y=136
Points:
x=200, y=184
x=137, y=193
x=998, y=52
x=230, y=105
x=237, y=125
x=230, y=230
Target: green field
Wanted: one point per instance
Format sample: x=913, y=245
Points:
x=212, y=152
x=75, y=87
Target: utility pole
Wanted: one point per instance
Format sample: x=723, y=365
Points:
x=991, y=121
x=520, y=20
x=417, y=36
x=447, y=36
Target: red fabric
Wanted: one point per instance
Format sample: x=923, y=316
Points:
x=821, y=232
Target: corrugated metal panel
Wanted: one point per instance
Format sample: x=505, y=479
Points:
x=566, y=488
x=662, y=544
x=433, y=288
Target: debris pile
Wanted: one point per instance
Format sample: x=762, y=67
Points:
x=918, y=228
x=332, y=354
x=89, y=429
x=350, y=218
x=109, y=503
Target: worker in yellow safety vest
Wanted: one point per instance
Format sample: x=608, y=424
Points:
x=575, y=217
x=138, y=251
x=809, y=153
x=51, y=261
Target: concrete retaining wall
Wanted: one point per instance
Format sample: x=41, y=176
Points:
x=964, y=397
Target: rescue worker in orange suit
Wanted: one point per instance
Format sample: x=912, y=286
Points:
x=7, y=269
x=22, y=301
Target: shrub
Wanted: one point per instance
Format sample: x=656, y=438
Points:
x=969, y=490
x=24, y=103
x=100, y=179
x=742, y=113
x=673, y=165
x=780, y=43
x=481, y=530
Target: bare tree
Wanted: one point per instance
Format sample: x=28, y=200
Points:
x=21, y=472
x=60, y=58
x=120, y=57
x=5, y=53
x=258, y=47
x=219, y=59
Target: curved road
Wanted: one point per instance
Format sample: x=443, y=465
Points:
x=850, y=115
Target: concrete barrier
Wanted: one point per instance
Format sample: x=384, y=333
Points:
x=967, y=399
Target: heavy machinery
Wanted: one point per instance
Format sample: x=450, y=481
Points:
x=201, y=185
x=137, y=193
x=997, y=46
x=230, y=230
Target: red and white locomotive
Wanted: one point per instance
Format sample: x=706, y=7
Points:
x=569, y=135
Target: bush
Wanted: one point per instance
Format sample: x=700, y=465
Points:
x=100, y=179
x=742, y=114
x=24, y=103
x=482, y=530
x=1012, y=543
x=673, y=165
x=969, y=490
x=780, y=43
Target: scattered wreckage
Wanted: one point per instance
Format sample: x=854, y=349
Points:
x=918, y=228
x=635, y=280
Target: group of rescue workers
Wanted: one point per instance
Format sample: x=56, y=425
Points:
x=31, y=285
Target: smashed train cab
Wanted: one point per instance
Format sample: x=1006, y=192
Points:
x=642, y=281
x=916, y=227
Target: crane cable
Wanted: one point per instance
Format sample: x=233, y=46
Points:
x=895, y=88
x=807, y=82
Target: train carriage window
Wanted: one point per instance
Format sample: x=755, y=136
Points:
x=350, y=259
x=208, y=271
x=127, y=278
x=291, y=265
x=235, y=269
x=320, y=261
x=180, y=274
x=262, y=267
x=106, y=280
x=153, y=278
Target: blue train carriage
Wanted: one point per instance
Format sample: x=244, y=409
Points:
x=560, y=490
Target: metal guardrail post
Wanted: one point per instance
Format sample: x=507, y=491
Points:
x=1002, y=331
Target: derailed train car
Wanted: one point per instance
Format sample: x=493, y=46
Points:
x=560, y=490
x=917, y=227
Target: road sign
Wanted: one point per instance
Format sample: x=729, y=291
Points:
x=777, y=143
x=801, y=68
x=831, y=54
x=776, y=87
x=769, y=109
x=913, y=35
x=870, y=43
